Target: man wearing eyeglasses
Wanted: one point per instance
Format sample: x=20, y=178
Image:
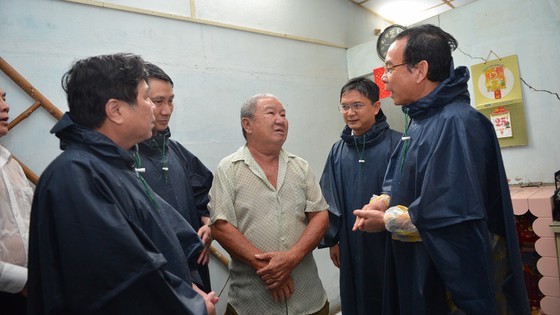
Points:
x=353, y=173
x=454, y=240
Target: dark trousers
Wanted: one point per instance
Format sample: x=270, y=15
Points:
x=12, y=304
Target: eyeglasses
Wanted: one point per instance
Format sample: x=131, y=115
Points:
x=389, y=70
x=344, y=108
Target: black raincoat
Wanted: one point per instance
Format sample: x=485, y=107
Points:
x=347, y=185
x=451, y=177
x=100, y=241
x=181, y=179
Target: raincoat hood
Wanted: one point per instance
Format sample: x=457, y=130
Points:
x=72, y=134
x=152, y=146
x=451, y=89
x=373, y=136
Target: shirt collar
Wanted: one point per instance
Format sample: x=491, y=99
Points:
x=243, y=154
x=5, y=156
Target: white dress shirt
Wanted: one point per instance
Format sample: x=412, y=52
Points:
x=15, y=206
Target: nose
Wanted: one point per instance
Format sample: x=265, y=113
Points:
x=280, y=119
x=350, y=109
x=166, y=109
x=4, y=107
x=384, y=77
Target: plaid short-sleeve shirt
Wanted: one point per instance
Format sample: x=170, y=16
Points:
x=272, y=219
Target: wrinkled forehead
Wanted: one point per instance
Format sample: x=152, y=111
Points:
x=269, y=103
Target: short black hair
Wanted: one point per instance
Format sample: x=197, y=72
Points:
x=364, y=86
x=91, y=82
x=429, y=42
x=155, y=72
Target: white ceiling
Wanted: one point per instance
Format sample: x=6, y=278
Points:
x=407, y=12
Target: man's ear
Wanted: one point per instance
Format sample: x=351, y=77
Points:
x=246, y=124
x=376, y=107
x=423, y=68
x=113, y=110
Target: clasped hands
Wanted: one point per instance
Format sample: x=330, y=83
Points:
x=276, y=274
x=370, y=217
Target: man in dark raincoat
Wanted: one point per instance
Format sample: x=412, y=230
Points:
x=353, y=173
x=176, y=174
x=101, y=241
x=447, y=177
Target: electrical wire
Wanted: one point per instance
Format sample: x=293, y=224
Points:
x=522, y=80
x=224, y=286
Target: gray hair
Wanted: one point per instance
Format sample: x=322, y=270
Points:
x=250, y=106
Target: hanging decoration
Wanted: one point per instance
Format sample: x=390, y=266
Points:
x=377, y=75
x=497, y=94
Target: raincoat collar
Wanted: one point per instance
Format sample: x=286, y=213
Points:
x=372, y=136
x=155, y=144
x=72, y=134
x=453, y=87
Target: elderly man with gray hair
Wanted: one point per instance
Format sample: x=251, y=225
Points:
x=268, y=212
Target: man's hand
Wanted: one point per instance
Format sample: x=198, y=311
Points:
x=278, y=269
x=380, y=203
x=369, y=220
x=335, y=255
x=284, y=291
x=206, y=235
x=377, y=203
x=210, y=300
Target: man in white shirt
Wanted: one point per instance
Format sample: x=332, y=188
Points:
x=15, y=205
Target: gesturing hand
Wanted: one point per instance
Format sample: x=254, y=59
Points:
x=369, y=221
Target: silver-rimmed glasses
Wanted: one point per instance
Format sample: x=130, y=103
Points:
x=344, y=108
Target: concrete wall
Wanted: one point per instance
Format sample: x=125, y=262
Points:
x=528, y=29
x=214, y=68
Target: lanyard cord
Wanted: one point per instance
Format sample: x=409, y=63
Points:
x=360, y=154
x=405, y=138
x=138, y=169
x=164, y=160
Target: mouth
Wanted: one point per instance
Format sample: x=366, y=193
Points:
x=4, y=120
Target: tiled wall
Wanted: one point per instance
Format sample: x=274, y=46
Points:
x=538, y=201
